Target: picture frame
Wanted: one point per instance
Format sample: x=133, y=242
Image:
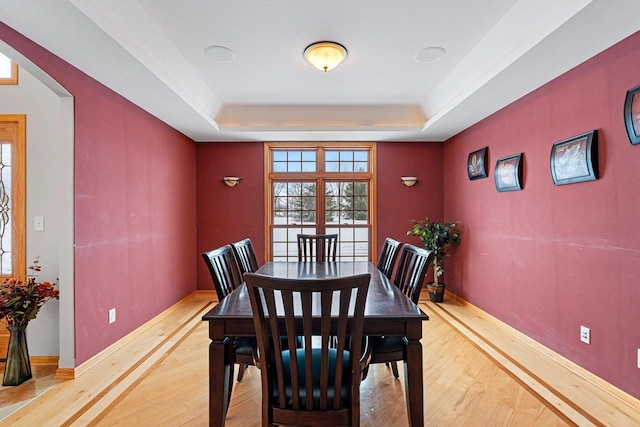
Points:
x=508, y=173
x=476, y=162
x=632, y=115
x=575, y=159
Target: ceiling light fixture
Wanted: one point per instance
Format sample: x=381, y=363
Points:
x=325, y=56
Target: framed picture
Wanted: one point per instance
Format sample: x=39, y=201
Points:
x=632, y=115
x=508, y=173
x=575, y=159
x=476, y=164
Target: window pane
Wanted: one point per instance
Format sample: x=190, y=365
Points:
x=331, y=166
x=361, y=156
x=347, y=161
x=294, y=167
x=294, y=161
x=360, y=166
x=6, y=237
x=294, y=156
x=346, y=156
x=5, y=67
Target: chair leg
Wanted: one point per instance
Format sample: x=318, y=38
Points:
x=241, y=370
x=394, y=368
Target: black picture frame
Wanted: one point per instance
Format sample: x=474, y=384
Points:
x=476, y=164
x=508, y=173
x=632, y=115
x=575, y=159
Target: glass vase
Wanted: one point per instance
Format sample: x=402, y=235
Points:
x=17, y=368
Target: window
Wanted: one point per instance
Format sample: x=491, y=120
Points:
x=12, y=196
x=8, y=71
x=320, y=189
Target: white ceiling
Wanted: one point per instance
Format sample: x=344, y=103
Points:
x=153, y=53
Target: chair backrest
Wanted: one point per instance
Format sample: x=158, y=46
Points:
x=320, y=383
x=317, y=247
x=246, y=255
x=411, y=270
x=388, y=255
x=223, y=266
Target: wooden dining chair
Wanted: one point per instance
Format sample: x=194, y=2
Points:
x=315, y=385
x=246, y=255
x=317, y=247
x=409, y=278
x=225, y=273
x=388, y=255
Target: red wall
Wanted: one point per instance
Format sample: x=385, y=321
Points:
x=134, y=206
x=397, y=204
x=226, y=215
x=548, y=259
x=230, y=214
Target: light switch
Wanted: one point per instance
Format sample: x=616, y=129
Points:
x=39, y=223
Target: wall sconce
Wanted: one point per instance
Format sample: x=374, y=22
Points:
x=232, y=181
x=409, y=181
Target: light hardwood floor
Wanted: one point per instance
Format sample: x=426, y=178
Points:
x=157, y=376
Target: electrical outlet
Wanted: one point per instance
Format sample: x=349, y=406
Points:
x=585, y=334
x=112, y=315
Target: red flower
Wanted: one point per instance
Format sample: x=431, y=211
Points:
x=21, y=301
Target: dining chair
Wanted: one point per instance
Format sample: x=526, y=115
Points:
x=388, y=255
x=317, y=247
x=226, y=276
x=409, y=278
x=316, y=384
x=246, y=255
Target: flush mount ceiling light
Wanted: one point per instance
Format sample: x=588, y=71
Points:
x=325, y=56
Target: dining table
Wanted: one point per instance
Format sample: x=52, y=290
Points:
x=388, y=312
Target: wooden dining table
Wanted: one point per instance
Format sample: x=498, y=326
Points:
x=388, y=312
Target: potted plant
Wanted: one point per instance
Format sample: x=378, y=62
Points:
x=437, y=237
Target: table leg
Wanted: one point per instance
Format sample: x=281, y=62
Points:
x=413, y=384
x=220, y=380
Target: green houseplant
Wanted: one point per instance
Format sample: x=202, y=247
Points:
x=437, y=237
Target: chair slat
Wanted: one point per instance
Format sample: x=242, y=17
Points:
x=388, y=255
x=317, y=247
x=246, y=254
x=291, y=308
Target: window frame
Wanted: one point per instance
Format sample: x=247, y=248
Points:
x=320, y=176
x=13, y=79
x=13, y=127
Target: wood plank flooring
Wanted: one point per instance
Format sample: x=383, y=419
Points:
x=133, y=385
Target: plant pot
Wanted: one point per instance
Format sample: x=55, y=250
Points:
x=17, y=368
x=436, y=293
